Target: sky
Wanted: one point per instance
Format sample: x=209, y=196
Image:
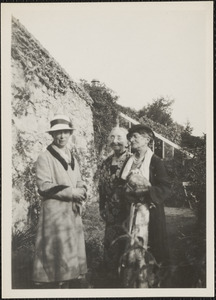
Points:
x=142, y=51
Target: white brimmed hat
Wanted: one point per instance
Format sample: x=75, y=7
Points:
x=60, y=122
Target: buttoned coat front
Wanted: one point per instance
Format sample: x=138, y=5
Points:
x=60, y=248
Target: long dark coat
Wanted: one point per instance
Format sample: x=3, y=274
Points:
x=157, y=193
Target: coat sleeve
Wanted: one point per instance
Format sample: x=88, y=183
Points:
x=102, y=194
x=46, y=187
x=160, y=188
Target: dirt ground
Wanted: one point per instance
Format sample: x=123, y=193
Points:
x=182, y=273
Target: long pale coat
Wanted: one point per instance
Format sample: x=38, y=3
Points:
x=60, y=248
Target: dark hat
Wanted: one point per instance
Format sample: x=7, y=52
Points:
x=140, y=128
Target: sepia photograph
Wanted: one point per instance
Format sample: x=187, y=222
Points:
x=107, y=139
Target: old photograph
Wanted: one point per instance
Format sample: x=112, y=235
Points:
x=107, y=139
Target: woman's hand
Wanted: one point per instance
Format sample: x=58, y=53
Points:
x=79, y=194
x=81, y=184
x=77, y=208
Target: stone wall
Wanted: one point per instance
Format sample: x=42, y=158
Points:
x=40, y=89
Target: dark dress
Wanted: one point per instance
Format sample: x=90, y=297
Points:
x=113, y=203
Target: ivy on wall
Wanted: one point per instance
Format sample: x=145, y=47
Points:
x=39, y=85
x=37, y=62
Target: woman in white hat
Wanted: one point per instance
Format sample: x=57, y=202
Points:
x=60, y=248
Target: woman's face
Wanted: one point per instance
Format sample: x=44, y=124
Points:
x=118, y=140
x=139, y=141
x=61, y=137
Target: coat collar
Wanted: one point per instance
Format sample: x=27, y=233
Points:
x=60, y=158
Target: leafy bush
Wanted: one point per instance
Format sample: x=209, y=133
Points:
x=94, y=239
x=196, y=175
x=176, y=173
x=22, y=258
x=159, y=110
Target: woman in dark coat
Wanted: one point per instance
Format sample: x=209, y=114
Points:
x=147, y=187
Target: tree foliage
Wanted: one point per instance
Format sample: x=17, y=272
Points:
x=104, y=110
x=188, y=140
x=130, y=112
x=159, y=111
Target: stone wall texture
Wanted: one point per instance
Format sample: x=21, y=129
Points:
x=40, y=89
